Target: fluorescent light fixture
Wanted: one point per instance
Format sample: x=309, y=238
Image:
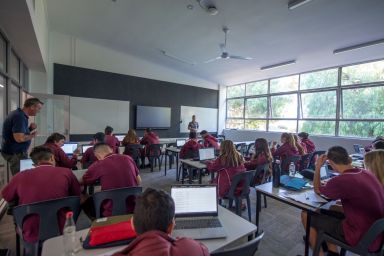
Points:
x=358, y=46
x=296, y=3
x=279, y=64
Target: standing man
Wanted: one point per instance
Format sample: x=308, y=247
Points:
x=17, y=135
x=193, y=126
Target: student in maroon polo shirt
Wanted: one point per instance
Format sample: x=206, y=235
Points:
x=287, y=149
x=88, y=156
x=111, y=140
x=191, y=148
x=362, y=199
x=55, y=141
x=113, y=171
x=261, y=156
x=154, y=221
x=45, y=182
x=209, y=140
x=149, y=138
x=309, y=145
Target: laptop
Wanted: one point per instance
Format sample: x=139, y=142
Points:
x=180, y=142
x=26, y=164
x=69, y=147
x=196, y=212
x=206, y=154
x=85, y=147
x=120, y=137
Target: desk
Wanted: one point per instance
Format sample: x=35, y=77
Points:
x=194, y=164
x=277, y=193
x=236, y=227
x=176, y=152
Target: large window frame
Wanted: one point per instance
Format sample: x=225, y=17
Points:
x=338, y=89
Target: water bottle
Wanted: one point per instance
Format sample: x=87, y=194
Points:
x=69, y=235
x=292, y=170
x=276, y=174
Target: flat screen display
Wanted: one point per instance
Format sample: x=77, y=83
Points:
x=153, y=117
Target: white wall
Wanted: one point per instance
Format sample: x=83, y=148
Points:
x=321, y=142
x=222, y=108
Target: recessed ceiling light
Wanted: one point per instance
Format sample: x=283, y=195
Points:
x=296, y=3
x=358, y=46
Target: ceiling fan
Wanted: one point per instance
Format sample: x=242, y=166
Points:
x=224, y=53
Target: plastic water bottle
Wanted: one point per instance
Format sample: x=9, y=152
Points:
x=292, y=170
x=69, y=235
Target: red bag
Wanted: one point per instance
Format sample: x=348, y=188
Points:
x=110, y=233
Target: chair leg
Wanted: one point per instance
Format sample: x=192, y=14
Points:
x=238, y=206
x=343, y=252
x=249, y=208
x=319, y=240
x=265, y=201
x=17, y=244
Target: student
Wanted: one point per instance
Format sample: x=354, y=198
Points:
x=113, y=171
x=111, y=140
x=370, y=147
x=261, y=156
x=130, y=138
x=209, y=140
x=309, y=145
x=378, y=145
x=45, y=182
x=55, y=141
x=362, y=198
x=287, y=149
x=191, y=148
x=374, y=162
x=148, y=139
x=88, y=156
x=229, y=163
x=301, y=146
x=154, y=221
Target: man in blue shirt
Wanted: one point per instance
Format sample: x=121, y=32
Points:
x=193, y=126
x=17, y=134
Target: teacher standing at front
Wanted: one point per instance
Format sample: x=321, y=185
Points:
x=17, y=134
x=193, y=126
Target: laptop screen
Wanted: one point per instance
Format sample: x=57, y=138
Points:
x=198, y=200
x=120, y=137
x=324, y=172
x=69, y=148
x=206, y=153
x=180, y=142
x=26, y=164
x=85, y=147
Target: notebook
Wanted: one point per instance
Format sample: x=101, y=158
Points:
x=69, y=147
x=292, y=182
x=85, y=147
x=196, y=212
x=180, y=142
x=206, y=154
x=26, y=164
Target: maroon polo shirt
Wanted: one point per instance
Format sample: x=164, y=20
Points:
x=309, y=145
x=45, y=182
x=61, y=158
x=114, y=171
x=210, y=142
x=191, y=146
x=285, y=151
x=88, y=158
x=113, y=142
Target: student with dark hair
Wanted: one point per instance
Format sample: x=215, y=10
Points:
x=113, y=171
x=287, y=149
x=191, y=148
x=154, y=221
x=309, y=145
x=378, y=145
x=111, y=140
x=45, y=182
x=55, y=141
x=209, y=140
x=361, y=195
x=88, y=156
x=149, y=138
x=371, y=147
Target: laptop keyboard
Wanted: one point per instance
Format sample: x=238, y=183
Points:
x=198, y=223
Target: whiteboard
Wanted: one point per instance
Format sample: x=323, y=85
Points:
x=88, y=116
x=206, y=117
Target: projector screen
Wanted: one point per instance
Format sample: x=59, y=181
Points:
x=153, y=117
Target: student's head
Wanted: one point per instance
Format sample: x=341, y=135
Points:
x=204, y=133
x=261, y=147
x=56, y=138
x=101, y=150
x=32, y=106
x=98, y=137
x=131, y=136
x=42, y=154
x=338, y=157
x=229, y=156
x=378, y=144
x=303, y=135
x=193, y=118
x=147, y=130
x=288, y=138
x=108, y=130
x=154, y=210
x=373, y=161
x=192, y=135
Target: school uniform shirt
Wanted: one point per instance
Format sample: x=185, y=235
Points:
x=309, y=145
x=149, y=139
x=114, y=171
x=61, y=159
x=113, y=142
x=88, y=158
x=225, y=176
x=45, y=182
x=255, y=162
x=284, y=151
x=362, y=197
x=190, y=149
x=211, y=142
x=158, y=243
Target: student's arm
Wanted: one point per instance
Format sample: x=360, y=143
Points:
x=65, y=161
x=91, y=175
x=74, y=185
x=138, y=179
x=316, y=177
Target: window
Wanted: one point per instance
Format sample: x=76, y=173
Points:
x=319, y=79
x=260, y=125
x=284, y=84
x=235, y=108
x=256, y=107
x=361, y=129
x=14, y=67
x=284, y=106
x=236, y=91
x=234, y=124
x=3, y=53
x=257, y=88
x=318, y=127
x=14, y=97
x=282, y=125
x=318, y=104
x=363, y=73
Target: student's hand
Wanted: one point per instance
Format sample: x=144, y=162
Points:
x=274, y=143
x=77, y=151
x=320, y=161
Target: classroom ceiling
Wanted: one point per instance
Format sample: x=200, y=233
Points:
x=263, y=29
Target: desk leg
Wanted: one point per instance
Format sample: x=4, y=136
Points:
x=258, y=209
x=190, y=174
x=177, y=167
x=200, y=174
x=307, y=228
x=165, y=163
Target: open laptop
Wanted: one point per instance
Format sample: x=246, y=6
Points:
x=85, y=147
x=196, y=212
x=206, y=154
x=26, y=164
x=180, y=142
x=69, y=147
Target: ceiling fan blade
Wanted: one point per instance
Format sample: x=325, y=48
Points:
x=177, y=58
x=240, y=57
x=212, y=60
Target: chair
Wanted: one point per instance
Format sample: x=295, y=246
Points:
x=242, y=148
x=246, y=178
x=118, y=196
x=49, y=226
x=154, y=155
x=285, y=163
x=261, y=169
x=133, y=150
x=247, y=249
x=305, y=161
x=315, y=155
x=170, y=155
x=362, y=246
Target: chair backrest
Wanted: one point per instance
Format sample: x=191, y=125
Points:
x=264, y=169
x=118, y=196
x=315, y=155
x=373, y=232
x=155, y=150
x=242, y=148
x=47, y=211
x=305, y=161
x=133, y=150
x=245, y=178
x=285, y=163
x=247, y=249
